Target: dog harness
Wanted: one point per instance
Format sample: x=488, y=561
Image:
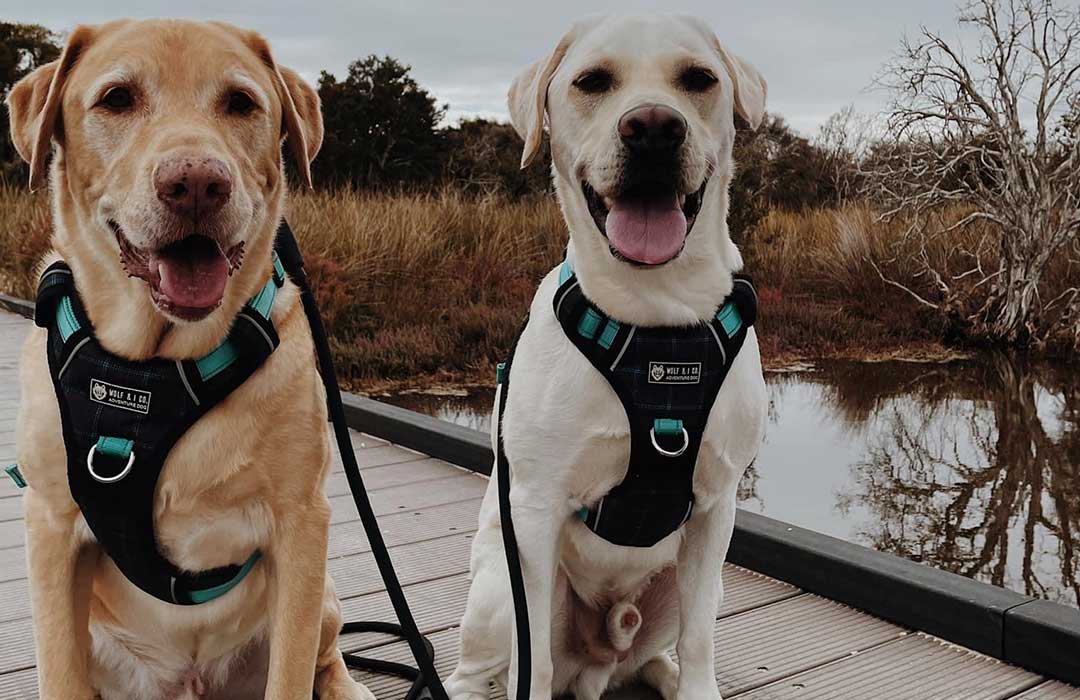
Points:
x=121, y=418
x=667, y=379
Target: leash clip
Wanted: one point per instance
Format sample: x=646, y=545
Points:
x=669, y=453
x=117, y=477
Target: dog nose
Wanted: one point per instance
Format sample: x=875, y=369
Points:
x=193, y=187
x=652, y=128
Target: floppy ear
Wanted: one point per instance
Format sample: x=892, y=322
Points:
x=34, y=105
x=301, y=117
x=750, y=87
x=527, y=99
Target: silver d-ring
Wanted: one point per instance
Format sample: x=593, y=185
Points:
x=667, y=453
x=108, y=479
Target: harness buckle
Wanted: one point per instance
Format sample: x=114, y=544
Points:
x=108, y=479
x=669, y=453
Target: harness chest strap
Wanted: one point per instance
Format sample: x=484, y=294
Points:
x=667, y=379
x=121, y=418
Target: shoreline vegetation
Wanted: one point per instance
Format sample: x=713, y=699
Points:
x=429, y=290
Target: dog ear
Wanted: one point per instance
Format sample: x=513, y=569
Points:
x=527, y=99
x=34, y=105
x=750, y=87
x=303, y=120
x=301, y=116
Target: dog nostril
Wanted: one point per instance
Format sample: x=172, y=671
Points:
x=178, y=190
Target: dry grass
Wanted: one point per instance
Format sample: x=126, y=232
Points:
x=820, y=295
x=432, y=288
x=25, y=225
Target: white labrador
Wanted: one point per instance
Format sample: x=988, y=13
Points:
x=650, y=247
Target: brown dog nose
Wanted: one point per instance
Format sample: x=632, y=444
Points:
x=193, y=187
x=652, y=128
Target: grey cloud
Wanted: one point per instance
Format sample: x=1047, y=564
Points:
x=818, y=57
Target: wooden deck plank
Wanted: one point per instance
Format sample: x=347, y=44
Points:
x=815, y=631
x=917, y=667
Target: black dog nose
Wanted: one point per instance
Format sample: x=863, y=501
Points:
x=652, y=128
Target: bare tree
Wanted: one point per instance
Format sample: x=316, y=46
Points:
x=845, y=139
x=983, y=165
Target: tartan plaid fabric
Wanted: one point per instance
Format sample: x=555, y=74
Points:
x=152, y=403
x=692, y=347
x=664, y=377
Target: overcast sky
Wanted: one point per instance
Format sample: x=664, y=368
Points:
x=817, y=56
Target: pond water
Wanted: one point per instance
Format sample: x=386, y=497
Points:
x=972, y=467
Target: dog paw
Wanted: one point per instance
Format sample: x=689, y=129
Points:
x=459, y=689
x=707, y=691
x=662, y=675
x=346, y=690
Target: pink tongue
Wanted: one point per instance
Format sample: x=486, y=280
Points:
x=647, y=231
x=194, y=283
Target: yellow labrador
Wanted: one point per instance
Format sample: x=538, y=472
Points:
x=167, y=188
x=640, y=111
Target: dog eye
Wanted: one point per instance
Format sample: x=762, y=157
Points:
x=240, y=103
x=594, y=81
x=117, y=99
x=697, y=79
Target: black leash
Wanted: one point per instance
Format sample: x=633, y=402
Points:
x=425, y=679
x=513, y=558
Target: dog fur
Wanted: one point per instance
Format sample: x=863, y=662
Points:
x=566, y=434
x=250, y=474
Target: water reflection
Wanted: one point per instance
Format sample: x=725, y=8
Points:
x=972, y=467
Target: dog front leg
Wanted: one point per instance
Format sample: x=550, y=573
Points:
x=538, y=522
x=701, y=589
x=298, y=561
x=60, y=569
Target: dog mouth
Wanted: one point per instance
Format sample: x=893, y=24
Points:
x=645, y=226
x=187, y=277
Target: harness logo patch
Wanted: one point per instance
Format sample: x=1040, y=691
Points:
x=135, y=400
x=674, y=372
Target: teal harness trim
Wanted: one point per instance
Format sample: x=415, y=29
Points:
x=589, y=323
x=15, y=475
x=729, y=318
x=565, y=272
x=118, y=448
x=608, y=336
x=65, y=319
x=668, y=426
x=221, y=357
x=205, y=596
x=217, y=361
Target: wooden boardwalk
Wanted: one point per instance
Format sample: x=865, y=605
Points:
x=773, y=641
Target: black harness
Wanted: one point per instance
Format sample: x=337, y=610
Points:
x=121, y=418
x=130, y=466
x=667, y=379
